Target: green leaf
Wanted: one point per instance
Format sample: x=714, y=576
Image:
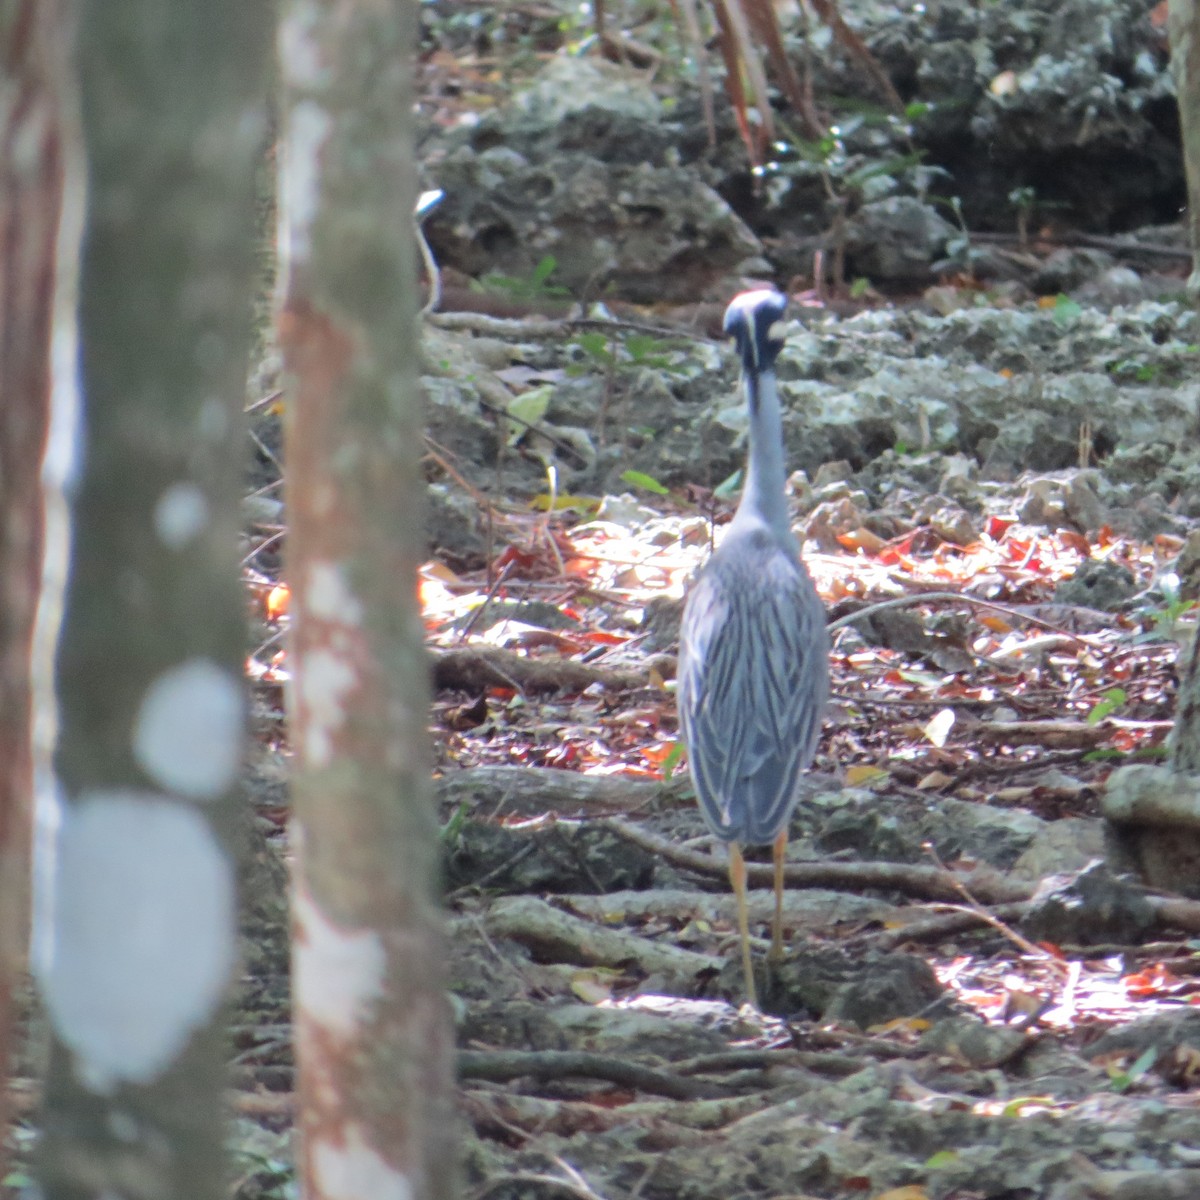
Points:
x=1122, y=1081
x=529, y=408
x=1108, y=703
x=729, y=487
x=544, y=270
x=943, y=1158
x=595, y=345
x=647, y=483
x=1066, y=310
x=452, y=830
x=639, y=345
x=889, y=166
x=672, y=761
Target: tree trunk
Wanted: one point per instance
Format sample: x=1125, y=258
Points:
x=1183, y=30
x=36, y=127
x=135, y=937
x=373, y=1035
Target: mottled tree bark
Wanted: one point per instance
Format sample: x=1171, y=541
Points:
x=1183, y=29
x=135, y=931
x=373, y=1035
x=36, y=122
x=1143, y=803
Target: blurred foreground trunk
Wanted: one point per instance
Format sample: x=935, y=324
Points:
x=1183, y=29
x=37, y=130
x=373, y=1033
x=135, y=932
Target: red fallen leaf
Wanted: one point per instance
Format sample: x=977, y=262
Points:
x=856, y=1183
x=1075, y=541
x=562, y=756
x=861, y=539
x=658, y=753
x=510, y=554
x=1051, y=949
x=600, y=637
x=1154, y=980
x=995, y=622
x=895, y=551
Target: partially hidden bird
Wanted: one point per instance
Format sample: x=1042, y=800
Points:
x=753, y=677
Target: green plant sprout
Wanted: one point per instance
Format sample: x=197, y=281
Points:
x=1023, y=199
x=647, y=483
x=536, y=287
x=1109, y=703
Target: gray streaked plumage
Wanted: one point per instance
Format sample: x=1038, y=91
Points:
x=753, y=652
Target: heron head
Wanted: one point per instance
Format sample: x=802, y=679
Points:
x=754, y=321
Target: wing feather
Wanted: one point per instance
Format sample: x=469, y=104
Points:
x=753, y=684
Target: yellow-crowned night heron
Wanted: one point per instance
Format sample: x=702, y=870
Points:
x=753, y=651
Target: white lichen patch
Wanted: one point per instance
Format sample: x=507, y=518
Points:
x=324, y=679
x=349, y=1169
x=301, y=59
x=49, y=808
x=308, y=128
x=339, y=972
x=187, y=735
x=212, y=421
x=329, y=599
x=180, y=514
x=143, y=939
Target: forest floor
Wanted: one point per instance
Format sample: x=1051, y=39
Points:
x=972, y=1004
x=939, y=1026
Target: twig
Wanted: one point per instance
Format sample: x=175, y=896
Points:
x=503, y=1066
x=961, y=597
x=926, y=882
x=973, y=905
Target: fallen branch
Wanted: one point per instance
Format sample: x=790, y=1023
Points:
x=924, y=882
x=814, y=910
x=1059, y=735
x=479, y=668
x=534, y=791
x=674, y=1121
x=505, y=1065
x=552, y=935
x=942, y=924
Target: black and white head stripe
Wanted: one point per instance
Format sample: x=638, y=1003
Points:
x=754, y=320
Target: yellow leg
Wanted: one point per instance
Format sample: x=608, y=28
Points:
x=737, y=877
x=777, y=925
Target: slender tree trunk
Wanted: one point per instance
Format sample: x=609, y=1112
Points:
x=36, y=124
x=135, y=940
x=373, y=1032
x=1183, y=29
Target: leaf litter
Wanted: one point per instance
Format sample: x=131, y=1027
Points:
x=979, y=703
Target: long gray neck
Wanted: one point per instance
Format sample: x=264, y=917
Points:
x=762, y=495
